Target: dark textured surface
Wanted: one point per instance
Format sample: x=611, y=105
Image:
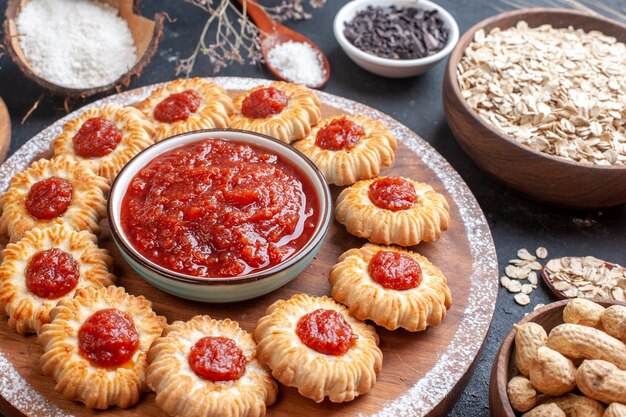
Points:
x=416, y=102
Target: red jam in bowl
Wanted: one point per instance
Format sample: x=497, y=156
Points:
x=217, y=208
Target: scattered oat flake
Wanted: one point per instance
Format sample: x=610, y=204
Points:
x=522, y=299
x=533, y=278
x=514, y=286
x=511, y=271
x=541, y=252
x=538, y=306
x=525, y=255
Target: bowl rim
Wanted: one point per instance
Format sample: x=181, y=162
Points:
x=466, y=38
x=499, y=374
x=356, y=5
x=325, y=202
x=11, y=12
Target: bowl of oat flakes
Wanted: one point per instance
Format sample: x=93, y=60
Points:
x=537, y=98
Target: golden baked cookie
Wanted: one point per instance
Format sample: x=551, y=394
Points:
x=187, y=104
x=96, y=345
x=207, y=367
x=50, y=192
x=348, y=148
x=105, y=138
x=391, y=286
x=393, y=210
x=341, y=364
x=46, y=266
x=285, y=111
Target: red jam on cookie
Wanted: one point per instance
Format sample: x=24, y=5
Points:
x=49, y=198
x=216, y=208
x=326, y=331
x=264, y=102
x=395, y=271
x=217, y=359
x=108, y=338
x=392, y=193
x=52, y=273
x=340, y=134
x=96, y=137
x=178, y=106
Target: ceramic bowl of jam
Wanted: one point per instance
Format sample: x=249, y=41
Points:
x=219, y=215
x=394, y=67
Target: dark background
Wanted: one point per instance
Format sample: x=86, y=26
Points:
x=416, y=102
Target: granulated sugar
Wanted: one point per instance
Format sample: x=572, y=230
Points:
x=75, y=43
x=298, y=62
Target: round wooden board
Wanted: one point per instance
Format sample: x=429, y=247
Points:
x=423, y=373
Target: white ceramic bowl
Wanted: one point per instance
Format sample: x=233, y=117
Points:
x=220, y=290
x=393, y=68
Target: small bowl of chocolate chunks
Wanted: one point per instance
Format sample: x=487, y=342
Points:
x=395, y=38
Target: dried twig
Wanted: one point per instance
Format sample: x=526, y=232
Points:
x=229, y=36
x=32, y=108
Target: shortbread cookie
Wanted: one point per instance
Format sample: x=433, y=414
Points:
x=207, y=367
x=393, y=210
x=393, y=287
x=105, y=138
x=348, y=148
x=96, y=345
x=187, y=104
x=315, y=345
x=51, y=192
x=46, y=266
x=285, y=111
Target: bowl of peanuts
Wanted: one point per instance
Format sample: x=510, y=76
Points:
x=566, y=359
x=527, y=96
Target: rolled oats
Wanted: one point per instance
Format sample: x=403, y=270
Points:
x=560, y=91
x=587, y=277
x=522, y=299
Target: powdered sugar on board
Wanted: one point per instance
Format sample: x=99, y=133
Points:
x=453, y=363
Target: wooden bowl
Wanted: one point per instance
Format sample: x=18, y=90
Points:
x=535, y=174
x=146, y=34
x=549, y=317
x=5, y=131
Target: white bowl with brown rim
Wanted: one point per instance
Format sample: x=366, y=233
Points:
x=393, y=68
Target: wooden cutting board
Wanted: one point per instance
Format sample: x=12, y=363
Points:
x=5, y=131
x=423, y=373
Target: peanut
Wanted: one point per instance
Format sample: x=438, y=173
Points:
x=522, y=395
x=614, y=322
x=545, y=410
x=552, y=373
x=528, y=338
x=602, y=381
x=576, y=341
x=615, y=410
x=583, y=312
x=574, y=405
